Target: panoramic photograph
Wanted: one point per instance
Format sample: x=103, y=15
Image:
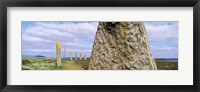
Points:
x=109, y=45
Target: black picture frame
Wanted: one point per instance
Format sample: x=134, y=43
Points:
x=99, y=3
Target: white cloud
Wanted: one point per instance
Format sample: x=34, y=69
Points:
x=74, y=36
x=163, y=48
x=39, y=50
x=163, y=38
x=161, y=30
x=34, y=39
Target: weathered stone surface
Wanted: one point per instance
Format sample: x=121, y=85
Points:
x=121, y=46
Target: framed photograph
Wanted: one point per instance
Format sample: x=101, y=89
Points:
x=87, y=45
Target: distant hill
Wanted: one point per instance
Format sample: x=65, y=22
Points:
x=40, y=56
x=33, y=56
x=167, y=59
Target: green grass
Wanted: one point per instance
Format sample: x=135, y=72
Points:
x=42, y=64
x=35, y=64
x=71, y=65
x=167, y=65
x=35, y=67
x=55, y=68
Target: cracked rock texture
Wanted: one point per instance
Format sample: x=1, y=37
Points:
x=121, y=46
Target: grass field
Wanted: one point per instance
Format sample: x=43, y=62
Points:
x=49, y=64
x=167, y=65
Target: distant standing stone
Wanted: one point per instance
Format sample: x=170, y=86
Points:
x=70, y=56
x=58, y=53
x=80, y=57
x=85, y=57
x=75, y=56
x=64, y=54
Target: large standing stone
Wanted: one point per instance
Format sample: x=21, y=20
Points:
x=121, y=46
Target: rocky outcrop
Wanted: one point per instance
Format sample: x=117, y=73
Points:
x=121, y=46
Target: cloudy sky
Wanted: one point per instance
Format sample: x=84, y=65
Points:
x=39, y=38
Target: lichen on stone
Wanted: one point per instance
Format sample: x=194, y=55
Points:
x=108, y=51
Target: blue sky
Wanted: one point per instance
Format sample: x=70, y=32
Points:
x=39, y=38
